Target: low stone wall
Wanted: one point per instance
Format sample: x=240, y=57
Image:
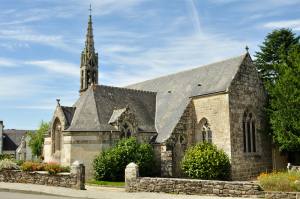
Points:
x=281, y=195
x=189, y=186
x=75, y=179
x=197, y=187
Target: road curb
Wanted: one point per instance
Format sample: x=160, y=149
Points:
x=33, y=192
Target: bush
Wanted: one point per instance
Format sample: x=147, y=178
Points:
x=52, y=168
x=110, y=164
x=280, y=181
x=205, y=161
x=7, y=164
x=33, y=166
x=6, y=156
x=19, y=162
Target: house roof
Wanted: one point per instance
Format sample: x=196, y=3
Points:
x=12, y=139
x=69, y=113
x=95, y=107
x=174, y=91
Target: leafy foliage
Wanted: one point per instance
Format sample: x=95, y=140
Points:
x=280, y=181
x=274, y=49
x=205, y=161
x=285, y=103
x=33, y=166
x=8, y=164
x=6, y=156
x=278, y=63
x=52, y=168
x=37, y=139
x=110, y=164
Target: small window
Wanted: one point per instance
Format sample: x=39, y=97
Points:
x=249, y=133
x=126, y=130
x=204, y=133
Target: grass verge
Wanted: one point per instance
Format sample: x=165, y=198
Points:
x=280, y=181
x=106, y=183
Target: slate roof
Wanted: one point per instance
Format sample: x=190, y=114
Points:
x=12, y=139
x=95, y=107
x=68, y=112
x=174, y=91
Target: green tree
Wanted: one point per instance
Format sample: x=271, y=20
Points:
x=36, y=141
x=273, y=51
x=278, y=64
x=285, y=103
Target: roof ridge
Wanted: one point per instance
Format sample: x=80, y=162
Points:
x=188, y=70
x=128, y=89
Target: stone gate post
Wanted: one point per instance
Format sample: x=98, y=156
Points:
x=78, y=169
x=131, y=176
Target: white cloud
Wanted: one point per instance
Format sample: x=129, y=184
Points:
x=4, y=62
x=56, y=66
x=293, y=24
x=17, y=86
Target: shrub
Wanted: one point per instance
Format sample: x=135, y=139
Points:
x=6, y=156
x=52, y=168
x=205, y=161
x=19, y=162
x=110, y=164
x=33, y=166
x=280, y=181
x=7, y=164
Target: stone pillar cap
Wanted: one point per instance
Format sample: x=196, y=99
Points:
x=77, y=163
x=132, y=164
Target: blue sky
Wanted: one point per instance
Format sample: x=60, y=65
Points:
x=41, y=42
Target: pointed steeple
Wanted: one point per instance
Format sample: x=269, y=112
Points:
x=89, y=42
x=89, y=59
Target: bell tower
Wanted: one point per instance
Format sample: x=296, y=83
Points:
x=89, y=60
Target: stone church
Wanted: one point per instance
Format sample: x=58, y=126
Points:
x=222, y=103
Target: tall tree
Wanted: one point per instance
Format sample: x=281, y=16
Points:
x=274, y=50
x=278, y=64
x=285, y=103
x=37, y=139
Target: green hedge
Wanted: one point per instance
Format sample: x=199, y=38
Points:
x=205, y=161
x=111, y=164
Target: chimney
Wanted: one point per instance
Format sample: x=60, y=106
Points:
x=1, y=136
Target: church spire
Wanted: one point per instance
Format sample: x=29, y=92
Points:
x=89, y=59
x=89, y=42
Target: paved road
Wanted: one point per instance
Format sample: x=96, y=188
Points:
x=31, y=191
x=10, y=195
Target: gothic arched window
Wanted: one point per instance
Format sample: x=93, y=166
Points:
x=203, y=132
x=126, y=129
x=56, y=136
x=249, y=133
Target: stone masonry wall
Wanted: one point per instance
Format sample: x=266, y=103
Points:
x=247, y=93
x=196, y=187
x=42, y=178
x=282, y=195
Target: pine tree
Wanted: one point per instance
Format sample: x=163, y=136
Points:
x=285, y=103
x=274, y=50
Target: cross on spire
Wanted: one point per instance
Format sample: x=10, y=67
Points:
x=247, y=48
x=90, y=9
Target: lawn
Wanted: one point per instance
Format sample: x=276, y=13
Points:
x=106, y=183
x=280, y=181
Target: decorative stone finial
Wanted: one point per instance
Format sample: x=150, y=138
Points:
x=58, y=102
x=247, y=48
